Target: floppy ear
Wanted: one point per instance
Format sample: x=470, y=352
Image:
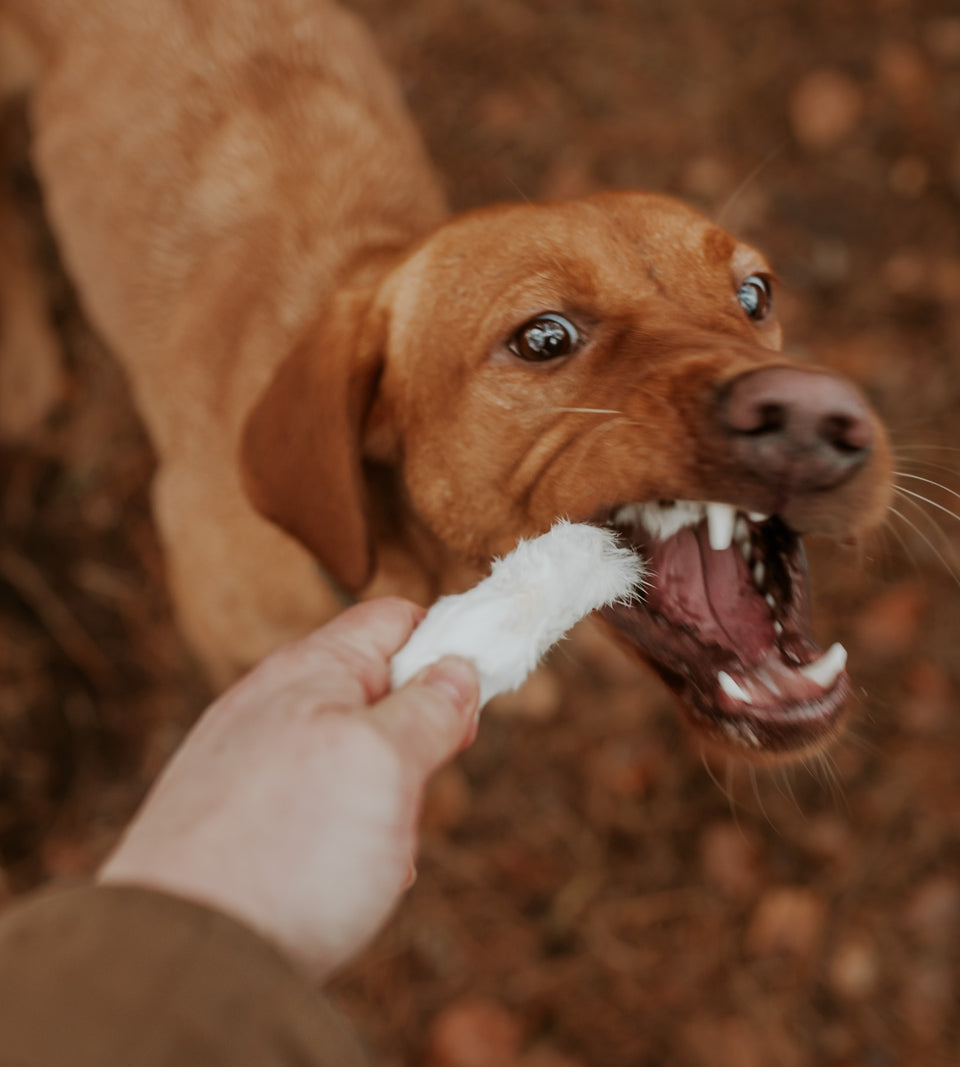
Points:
x=301, y=445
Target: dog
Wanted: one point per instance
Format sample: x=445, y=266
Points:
x=351, y=392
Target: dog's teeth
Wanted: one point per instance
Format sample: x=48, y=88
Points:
x=759, y=573
x=767, y=679
x=629, y=515
x=757, y=516
x=662, y=521
x=721, y=519
x=771, y=601
x=731, y=688
x=777, y=627
x=827, y=668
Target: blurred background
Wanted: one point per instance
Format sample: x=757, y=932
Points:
x=590, y=893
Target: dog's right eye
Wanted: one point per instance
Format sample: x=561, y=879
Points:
x=755, y=297
x=545, y=337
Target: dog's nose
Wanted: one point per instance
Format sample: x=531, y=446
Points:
x=797, y=430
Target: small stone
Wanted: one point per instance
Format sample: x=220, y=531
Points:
x=624, y=769
x=906, y=272
x=909, y=177
x=904, y=73
x=730, y=860
x=943, y=38
x=854, y=969
x=474, y=1033
x=928, y=705
x=932, y=914
x=825, y=107
x=827, y=837
x=787, y=922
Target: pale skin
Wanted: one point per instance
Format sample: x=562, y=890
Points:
x=293, y=804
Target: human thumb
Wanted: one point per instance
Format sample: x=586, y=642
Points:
x=434, y=715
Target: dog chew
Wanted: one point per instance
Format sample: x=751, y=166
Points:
x=532, y=597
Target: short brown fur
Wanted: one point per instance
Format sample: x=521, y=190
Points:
x=322, y=357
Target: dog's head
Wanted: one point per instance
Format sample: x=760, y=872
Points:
x=613, y=360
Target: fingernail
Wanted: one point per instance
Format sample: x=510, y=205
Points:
x=456, y=676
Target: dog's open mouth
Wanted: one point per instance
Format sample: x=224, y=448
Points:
x=726, y=621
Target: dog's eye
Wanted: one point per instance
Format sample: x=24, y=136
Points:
x=545, y=337
x=755, y=297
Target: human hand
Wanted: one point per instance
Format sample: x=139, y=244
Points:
x=293, y=803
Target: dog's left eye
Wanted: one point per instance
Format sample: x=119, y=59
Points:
x=755, y=297
x=545, y=337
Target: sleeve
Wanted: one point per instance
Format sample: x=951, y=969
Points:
x=99, y=976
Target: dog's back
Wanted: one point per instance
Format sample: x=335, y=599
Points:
x=210, y=181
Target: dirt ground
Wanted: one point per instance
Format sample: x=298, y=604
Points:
x=590, y=892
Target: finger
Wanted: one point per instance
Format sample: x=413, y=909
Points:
x=353, y=651
x=433, y=716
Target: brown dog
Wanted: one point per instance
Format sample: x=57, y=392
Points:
x=331, y=371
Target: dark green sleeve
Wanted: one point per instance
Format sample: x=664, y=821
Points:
x=117, y=976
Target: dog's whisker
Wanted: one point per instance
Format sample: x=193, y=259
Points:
x=592, y=411
x=726, y=790
x=926, y=464
x=923, y=537
x=928, y=481
x=785, y=789
x=904, y=544
x=516, y=186
x=926, y=448
x=936, y=529
x=861, y=743
x=748, y=181
x=931, y=520
x=926, y=500
x=729, y=794
x=759, y=799
x=830, y=777
x=934, y=526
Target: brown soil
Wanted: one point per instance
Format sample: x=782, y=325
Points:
x=589, y=892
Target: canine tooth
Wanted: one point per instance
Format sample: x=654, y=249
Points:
x=827, y=668
x=759, y=573
x=777, y=627
x=757, y=516
x=771, y=601
x=721, y=519
x=731, y=688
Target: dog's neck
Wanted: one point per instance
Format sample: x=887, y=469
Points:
x=410, y=560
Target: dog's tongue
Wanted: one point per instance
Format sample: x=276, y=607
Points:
x=711, y=593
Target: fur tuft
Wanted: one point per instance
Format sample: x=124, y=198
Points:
x=532, y=597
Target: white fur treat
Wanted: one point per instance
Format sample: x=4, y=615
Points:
x=532, y=597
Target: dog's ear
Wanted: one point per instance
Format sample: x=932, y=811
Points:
x=301, y=445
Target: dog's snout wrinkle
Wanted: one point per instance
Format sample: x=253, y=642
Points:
x=797, y=429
